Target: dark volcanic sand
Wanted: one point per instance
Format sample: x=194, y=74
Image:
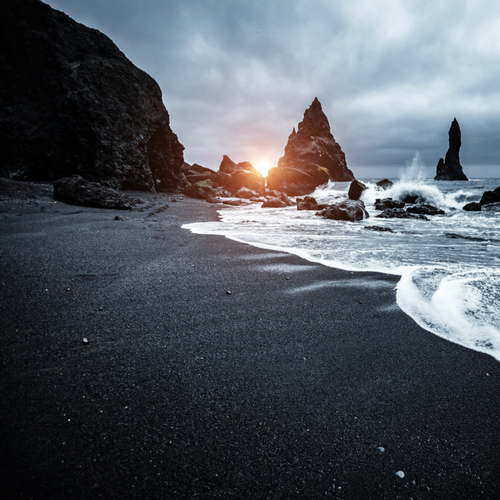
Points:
x=286, y=388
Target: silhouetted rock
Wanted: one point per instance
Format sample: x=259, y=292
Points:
x=386, y=203
x=236, y=203
x=399, y=213
x=75, y=190
x=410, y=198
x=309, y=203
x=472, y=207
x=350, y=210
x=424, y=209
x=310, y=148
x=295, y=181
x=201, y=190
x=379, y=229
x=274, y=203
x=385, y=184
x=356, y=189
x=450, y=169
x=196, y=173
x=234, y=176
x=72, y=103
x=246, y=193
x=490, y=197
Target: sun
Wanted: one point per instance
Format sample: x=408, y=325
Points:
x=263, y=166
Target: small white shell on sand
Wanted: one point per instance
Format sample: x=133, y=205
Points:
x=400, y=474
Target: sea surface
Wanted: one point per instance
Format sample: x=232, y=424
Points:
x=449, y=265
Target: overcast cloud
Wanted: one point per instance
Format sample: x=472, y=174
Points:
x=237, y=75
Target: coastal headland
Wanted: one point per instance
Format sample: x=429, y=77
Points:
x=142, y=361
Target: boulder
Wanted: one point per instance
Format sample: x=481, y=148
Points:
x=297, y=181
x=234, y=176
x=236, y=203
x=384, y=184
x=72, y=103
x=273, y=193
x=274, y=203
x=399, y=213
x=75, y=190
x=349, y=210
x=356, y=189
x=201, y=190
x=196, y=173
x=309, y=148
x=386, y=203
x=450, y=169
x=309, y=203
x=475, y=206
x=424, y=209
x=220, y=191
x=379, y=229
x=410, y=198
x=246, y=193
x=286, y=199
x=490, y=197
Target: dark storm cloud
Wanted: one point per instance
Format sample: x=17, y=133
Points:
x=237, y=75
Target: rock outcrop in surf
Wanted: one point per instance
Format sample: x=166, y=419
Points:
x=450, y=169
x=72, y=103
x=312, y=157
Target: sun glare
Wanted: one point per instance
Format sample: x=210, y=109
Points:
x=263, y=166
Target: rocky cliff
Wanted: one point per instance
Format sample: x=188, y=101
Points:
x=450, y=169
x=72, y=103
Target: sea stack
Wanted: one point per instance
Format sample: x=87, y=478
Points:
x=450, y=169
x=72, y=103
x=312, y=156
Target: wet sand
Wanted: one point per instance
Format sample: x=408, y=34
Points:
x=303, y=382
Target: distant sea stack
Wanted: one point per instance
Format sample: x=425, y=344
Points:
x=72, y=103
x=312, y=156
x=450, y=169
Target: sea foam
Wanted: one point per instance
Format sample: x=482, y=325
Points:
x=462, y=307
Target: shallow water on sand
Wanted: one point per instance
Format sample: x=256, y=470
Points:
x=449, y=265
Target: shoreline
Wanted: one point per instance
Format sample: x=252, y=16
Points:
x=285, y=388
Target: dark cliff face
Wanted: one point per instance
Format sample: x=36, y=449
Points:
x=72, y=103
x=450, y=169
x=313, y=145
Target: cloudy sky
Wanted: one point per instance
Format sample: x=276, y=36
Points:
x=237, y=75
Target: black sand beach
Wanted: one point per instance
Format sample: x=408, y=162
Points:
x=303, y=382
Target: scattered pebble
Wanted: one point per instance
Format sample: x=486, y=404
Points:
x=85, y=340
x=100, y=308
x=287, y=277
x=68, y=289
x=381, y=448
x=228, y=292
x=400, y=474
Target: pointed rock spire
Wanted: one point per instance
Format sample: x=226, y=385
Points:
x=450, y=169
x=313, y=146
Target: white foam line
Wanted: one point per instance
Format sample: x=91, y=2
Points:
x=404, y=271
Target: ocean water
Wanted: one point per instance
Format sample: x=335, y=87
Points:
x=449, y=265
